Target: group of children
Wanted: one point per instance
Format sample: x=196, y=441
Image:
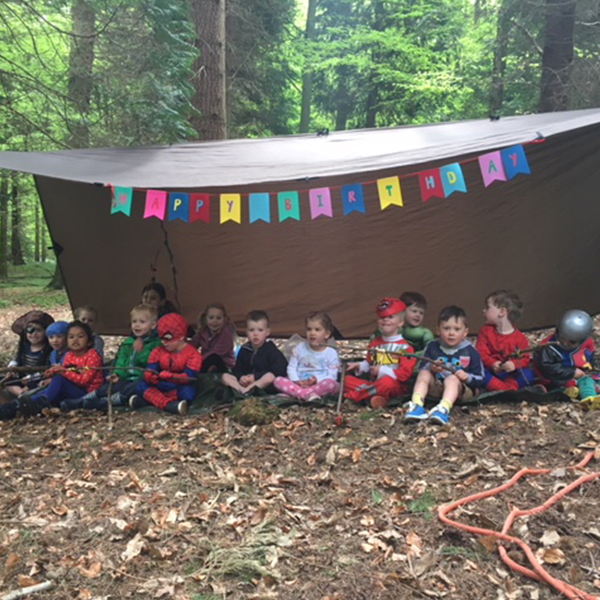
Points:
x=160, y=362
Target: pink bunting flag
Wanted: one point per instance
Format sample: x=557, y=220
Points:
x=320, y=203
x=492, y=168
x=156, y=204
x=431, y=184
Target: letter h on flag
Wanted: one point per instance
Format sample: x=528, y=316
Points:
x=431, y=184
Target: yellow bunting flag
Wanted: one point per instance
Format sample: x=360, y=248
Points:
x=389, y=192
x=231, y=208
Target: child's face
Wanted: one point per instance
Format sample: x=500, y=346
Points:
x=492, y=314
x=142, y=323
x=316, y=334
x=152, y=297
x=58, y=341
x=35, y=334
x=172, y=344
x=390, y=325
x=257, y=332
x=215, y=319
x=414, y=315
x=89, y=318
x=77, y=340
x=568, y=344
x=452, y=332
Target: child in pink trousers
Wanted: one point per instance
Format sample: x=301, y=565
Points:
x=314, y=366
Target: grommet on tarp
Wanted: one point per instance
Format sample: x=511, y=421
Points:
x=494, y=117
x=323, y=132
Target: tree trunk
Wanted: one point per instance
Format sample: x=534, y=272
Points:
x=372, y=105
x=81, y=72
x=38, y=235
x=16, y=244
x=57, y=282
x=500, y=49
x=210, y=91
x=307, y=76
x=558, y=55
x=43, y=242
x=3, y=227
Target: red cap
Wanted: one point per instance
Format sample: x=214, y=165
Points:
x=390, y=306
x=174, y=324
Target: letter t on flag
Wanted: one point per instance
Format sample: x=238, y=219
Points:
x=389, y=192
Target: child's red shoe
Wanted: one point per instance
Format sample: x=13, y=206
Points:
x=379, y=402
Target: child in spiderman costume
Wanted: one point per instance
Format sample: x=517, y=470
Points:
x=172, y=369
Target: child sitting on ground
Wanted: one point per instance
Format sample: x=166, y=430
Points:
x=413, y=331
x=389, y=371
x=57, y=338
x=499, y=343
x=89, y=315
x=259, y=361
x=169, y=381
x=80, y=373
x=215, y=339
x=314, y=366
x=155, y=294
x=132, y=359
x=563, y=358
x=459, y=382
x=33, y=350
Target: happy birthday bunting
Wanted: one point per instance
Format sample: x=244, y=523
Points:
x=156, y=204
x=289, y=205
x=431, y=184
x=389, y=192
x=260, y=207
x=179, y=206
x=199, y=208
x=515, y=161
x=353, y=198
x=453, y=179
x=492, y=168
x=320, y=203
x=121, y=200
x=231, y=208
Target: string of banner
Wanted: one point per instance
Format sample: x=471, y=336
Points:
x=441, y=182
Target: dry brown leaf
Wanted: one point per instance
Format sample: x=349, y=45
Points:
x=356, y=454
x=134, y=548
x=258, y=516
x=93, y=571
x=551, y=556
x=85, y=594
x=312, y=459
x=331, y=454
x=550, y=538
x=414, y=543
x=423, y=564
x=12, y=561
x=489, y=542
x=26, y=581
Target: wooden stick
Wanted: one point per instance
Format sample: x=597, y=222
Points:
x=32, y=589
x=338, y=410
x=39, y=369
x=110, y=385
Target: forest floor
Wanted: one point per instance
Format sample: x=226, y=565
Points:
x=203, y=508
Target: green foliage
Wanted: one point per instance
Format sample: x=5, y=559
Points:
x=423, y=504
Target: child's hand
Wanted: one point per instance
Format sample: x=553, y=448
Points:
x=375, y=371
x=437, y=367
x=114, y=378
x=246, y=380
x=497, y=367
x=352, y=366
x=579, y=373
x=462, y=375
x=509, y=366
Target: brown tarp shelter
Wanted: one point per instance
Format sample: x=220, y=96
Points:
x=538, y=234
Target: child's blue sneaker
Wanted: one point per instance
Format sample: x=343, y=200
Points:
x=415, y=412
x=439, y=415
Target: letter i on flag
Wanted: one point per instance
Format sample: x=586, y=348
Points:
x=179, y=206
x=431, y=184
x=199, y=208
x=453, y=179
x=231, y=208
x=260, y=207
x=320, y=203
x=156, y=204
x=121, y=200
x=515, y=161
x=389, y=192
x=492, y=168
x=289, y=205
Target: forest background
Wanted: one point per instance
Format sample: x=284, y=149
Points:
x=92, y=73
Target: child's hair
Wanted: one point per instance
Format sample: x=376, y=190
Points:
x=86, y=328
x=22, y=349
x=322, y=317
x=450, y=312
x=85, y=308
x=258, y=315
x=159, y=288
x=508, y=300
x=148, y=308
x=218, y=305
x=410, y=298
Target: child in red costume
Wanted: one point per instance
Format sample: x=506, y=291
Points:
x=498, y=342
x=388, y=373
x=172, y=369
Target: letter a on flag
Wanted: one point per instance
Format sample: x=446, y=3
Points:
x=492, y=168
x=156, y=204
